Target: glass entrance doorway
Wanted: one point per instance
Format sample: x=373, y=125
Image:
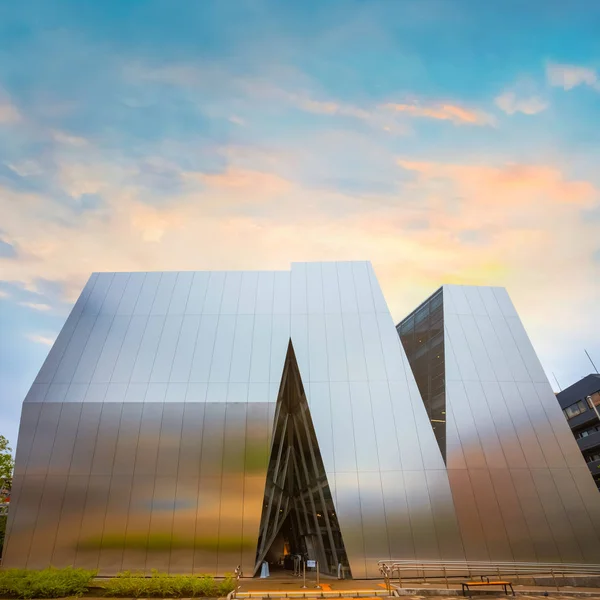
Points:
x=298, y=517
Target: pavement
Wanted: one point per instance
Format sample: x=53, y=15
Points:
x=285, y=585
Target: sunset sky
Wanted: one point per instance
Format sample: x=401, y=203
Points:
x=445, y=141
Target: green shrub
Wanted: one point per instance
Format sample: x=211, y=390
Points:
x=47, y=583
x=3, y=519
x=226, y=585
x=162, y=585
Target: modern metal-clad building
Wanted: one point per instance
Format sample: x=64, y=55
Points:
x=194, y=421
x=520, y=488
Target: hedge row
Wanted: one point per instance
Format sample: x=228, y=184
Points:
x=132, y=585
x=49, y=583
x=58, y=583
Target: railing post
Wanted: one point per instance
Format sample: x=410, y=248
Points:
x=515, y=570
x=238, y=574
x=387, y=575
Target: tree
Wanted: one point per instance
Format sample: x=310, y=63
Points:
x=7, y=463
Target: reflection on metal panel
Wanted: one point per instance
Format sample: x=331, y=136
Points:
x=69, y=521
x=517, y=528
x=444, y=517
x=397, y=515
x=111, y=551
x=231, y=511
x=421, y=515
x=22, y=520
x=258, y=427
x=191, y=498
x=55, y=355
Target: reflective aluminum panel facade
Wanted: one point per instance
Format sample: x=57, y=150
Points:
x=520, y=487
x=146, y=436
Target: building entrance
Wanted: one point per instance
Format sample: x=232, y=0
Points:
x=298, y=517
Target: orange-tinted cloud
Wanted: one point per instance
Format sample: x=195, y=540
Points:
x=304, y=102
x=444, y=112
x=256, y=184
x=512, y=184
x=151, y=222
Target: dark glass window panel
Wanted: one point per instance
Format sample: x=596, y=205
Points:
x=422, y=337
x=575, y=409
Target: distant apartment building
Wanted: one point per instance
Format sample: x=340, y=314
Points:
x=581, y=404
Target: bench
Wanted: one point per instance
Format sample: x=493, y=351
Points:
x=466, y=585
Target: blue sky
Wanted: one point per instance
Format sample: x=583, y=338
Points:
x=445, y=141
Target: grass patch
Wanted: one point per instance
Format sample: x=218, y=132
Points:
x=47, y=583
x=58, y=583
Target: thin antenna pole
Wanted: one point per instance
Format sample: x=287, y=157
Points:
x=558, y=384
x=593, y=365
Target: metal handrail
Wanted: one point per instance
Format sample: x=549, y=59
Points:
x=460, y=568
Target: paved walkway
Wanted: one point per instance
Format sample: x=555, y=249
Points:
x=286, y=584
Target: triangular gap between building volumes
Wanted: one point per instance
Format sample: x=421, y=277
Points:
x=422, y=337
x=298, y=514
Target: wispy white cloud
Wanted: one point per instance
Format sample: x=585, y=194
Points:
x=40, y=339
x=237, y=120
x=571, y=76
x=305, y=97
x=510, y=103
x=25, y=168
x=71, y=140
x=36, y=306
